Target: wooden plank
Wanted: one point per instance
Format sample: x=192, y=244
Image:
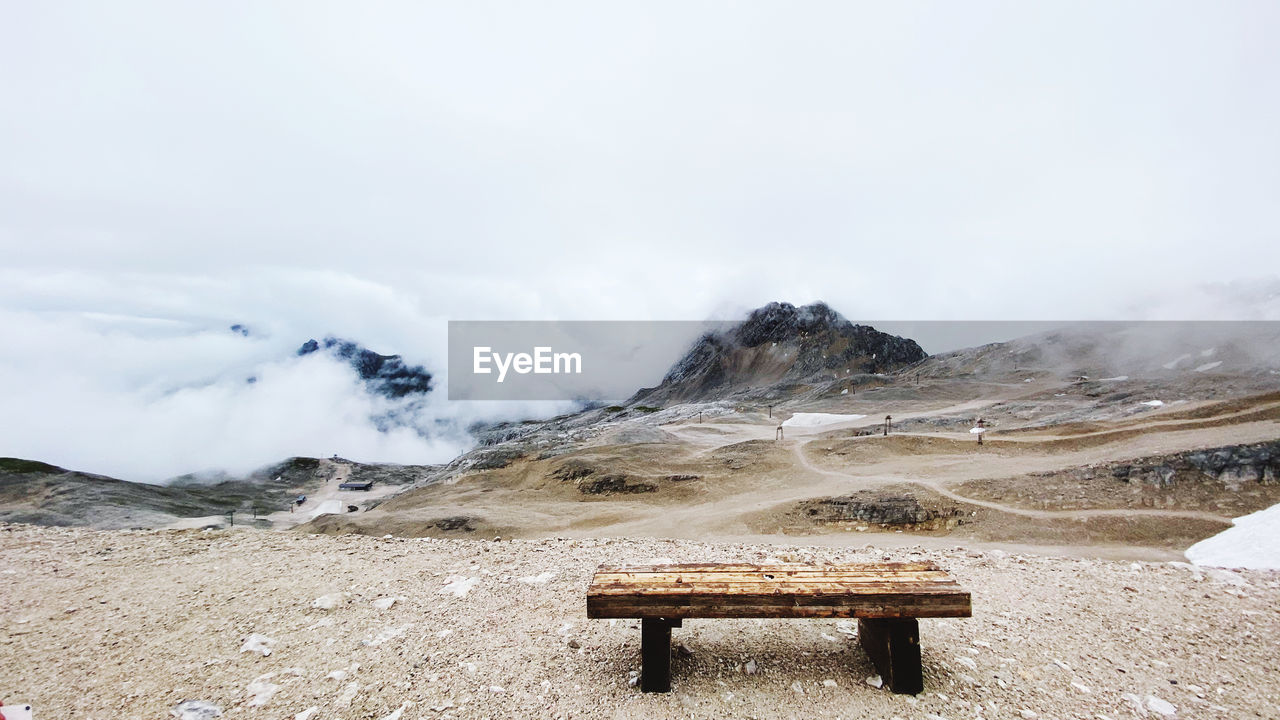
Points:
x=828, y=612
x=894, y=648
x=875, y=606
x=798, y=586
x=709, y=590
x=746, y=567
x=659, y=578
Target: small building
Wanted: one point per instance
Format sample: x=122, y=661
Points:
x=365, y=485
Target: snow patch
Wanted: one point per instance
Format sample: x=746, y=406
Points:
x=1209, y=366
x=328, y=507
x=1253, y=542
x=818, y=419
x=1154, y=403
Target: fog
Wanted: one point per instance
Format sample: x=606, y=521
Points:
x=371, y=172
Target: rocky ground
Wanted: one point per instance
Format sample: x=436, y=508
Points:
x=263, y=624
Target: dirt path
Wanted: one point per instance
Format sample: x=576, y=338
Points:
x=940, y=488
x=329, y=498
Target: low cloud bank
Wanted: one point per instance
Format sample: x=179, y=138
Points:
x=145, y=400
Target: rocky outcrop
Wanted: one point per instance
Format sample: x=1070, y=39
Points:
x=387, y=375
x=880, y=509
x=776, y=346
x=1233, y=467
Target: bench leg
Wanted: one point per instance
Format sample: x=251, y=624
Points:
x=655, y=654
x=894, y=647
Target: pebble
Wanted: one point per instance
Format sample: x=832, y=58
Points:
x=261, y=690
x=751, y=667
x=1160, y=707
x=875, y=681
x=458, y=586
x=348, y=694
x=542, y=579
x=258, y=643
x=196, y=710
x=383, y=603
x=395, y=714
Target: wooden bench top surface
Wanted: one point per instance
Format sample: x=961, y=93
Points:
x=711, y=590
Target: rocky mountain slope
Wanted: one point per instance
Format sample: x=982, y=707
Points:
x=775, y=351
x=43, y=494
x=386, y=375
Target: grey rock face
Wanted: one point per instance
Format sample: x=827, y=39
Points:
x=781, y=344
x=387, y=375
x=875, y=508
x=1233, y=466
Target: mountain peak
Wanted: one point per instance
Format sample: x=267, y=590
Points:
x=777, y=346
x=388, y=375
x=781, y=321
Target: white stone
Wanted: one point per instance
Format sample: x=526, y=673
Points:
x=383, y=603
x=395, y=715
x=542, y=579
x=875, y=681
x=196, y=710
x=306, y=714
x=829, y=683
x=386, y=635
x=752, y=667
x=1161, y=707
x=348, y=694
x=325, y=602
x=967, y=662
x=458, y=586
x=261, y=690
x=258, y=643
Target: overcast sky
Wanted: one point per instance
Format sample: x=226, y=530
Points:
x=371, y=169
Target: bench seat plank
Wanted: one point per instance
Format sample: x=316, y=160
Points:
x=704, y=590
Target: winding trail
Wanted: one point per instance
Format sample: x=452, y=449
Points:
x=803, y=460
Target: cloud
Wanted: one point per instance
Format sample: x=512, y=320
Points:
x=308, y=169
x=146, y=398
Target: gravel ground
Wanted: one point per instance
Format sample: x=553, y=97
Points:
x=114, y=625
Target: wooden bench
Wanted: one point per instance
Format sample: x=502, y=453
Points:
x=887, y=599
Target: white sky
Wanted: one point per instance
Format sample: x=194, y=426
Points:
x=372, y=169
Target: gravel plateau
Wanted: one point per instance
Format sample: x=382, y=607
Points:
x=148, y=624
